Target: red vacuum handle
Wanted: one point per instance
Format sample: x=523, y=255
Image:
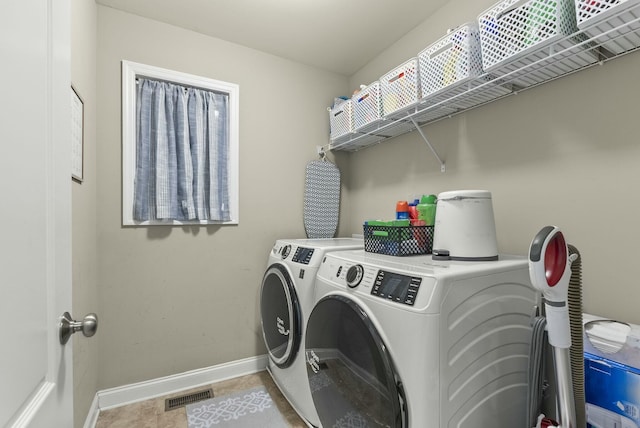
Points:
x=555, y=259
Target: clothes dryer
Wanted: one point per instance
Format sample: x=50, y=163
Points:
x=413, y=342
x=286, y=299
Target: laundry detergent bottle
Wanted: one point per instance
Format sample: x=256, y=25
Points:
x=413, y=209
x=427, y=209
x=402, y=210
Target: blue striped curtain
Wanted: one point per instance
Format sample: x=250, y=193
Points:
x=181, y=153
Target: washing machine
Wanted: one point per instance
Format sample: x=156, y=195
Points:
x=413, y=342
x=286, y=299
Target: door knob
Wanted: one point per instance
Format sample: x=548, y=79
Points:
x=88, y=326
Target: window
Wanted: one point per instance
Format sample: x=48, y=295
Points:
x=179, y=148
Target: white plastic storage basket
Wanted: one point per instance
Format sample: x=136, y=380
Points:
x=400, y=88
x=367, y=107
x=451, y=61
x=341, y=120
x=451, y=72
x=512, y=27
x=517, y=33
x=613, y=23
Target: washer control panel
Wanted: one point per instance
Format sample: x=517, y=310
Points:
x=396, y=287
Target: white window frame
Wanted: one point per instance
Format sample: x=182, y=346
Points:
x=130, y=72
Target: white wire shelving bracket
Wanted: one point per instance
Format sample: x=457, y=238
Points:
x=565, y=56
x=424, y=137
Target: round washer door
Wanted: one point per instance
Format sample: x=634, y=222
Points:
x=350, y=371
x=281, y=316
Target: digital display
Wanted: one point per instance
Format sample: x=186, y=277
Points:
x=391, y=284
x=303, y=255
x=396, y=287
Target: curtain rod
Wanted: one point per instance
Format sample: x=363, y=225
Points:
x=181, y=85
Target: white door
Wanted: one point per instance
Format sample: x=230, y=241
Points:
x=35, y=215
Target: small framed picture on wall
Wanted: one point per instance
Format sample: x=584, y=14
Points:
x=77, y=136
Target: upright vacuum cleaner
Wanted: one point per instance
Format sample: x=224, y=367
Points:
x=550, y=271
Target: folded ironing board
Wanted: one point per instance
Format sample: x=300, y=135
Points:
x=321, y=199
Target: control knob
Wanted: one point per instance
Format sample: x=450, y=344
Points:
x=354, y=275
x=285, y=251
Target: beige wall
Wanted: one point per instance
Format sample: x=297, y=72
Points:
x=84, y=251
x=565, y=153
x=179, y=298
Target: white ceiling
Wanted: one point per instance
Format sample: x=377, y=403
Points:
x=336, y=35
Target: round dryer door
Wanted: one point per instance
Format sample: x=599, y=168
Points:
x=281, y=317
x=351, y=375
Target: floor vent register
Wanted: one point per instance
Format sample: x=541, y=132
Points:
x=183, y=400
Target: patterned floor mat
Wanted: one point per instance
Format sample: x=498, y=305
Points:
x=246, y=409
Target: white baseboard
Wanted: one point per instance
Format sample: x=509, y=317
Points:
x=92, y=416
x=127, y=394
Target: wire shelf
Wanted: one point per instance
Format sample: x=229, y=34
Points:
x=592, y=44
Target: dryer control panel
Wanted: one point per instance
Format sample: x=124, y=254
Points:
x=396, y=287
x=400, y=285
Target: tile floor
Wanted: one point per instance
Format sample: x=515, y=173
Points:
x=151, y=413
